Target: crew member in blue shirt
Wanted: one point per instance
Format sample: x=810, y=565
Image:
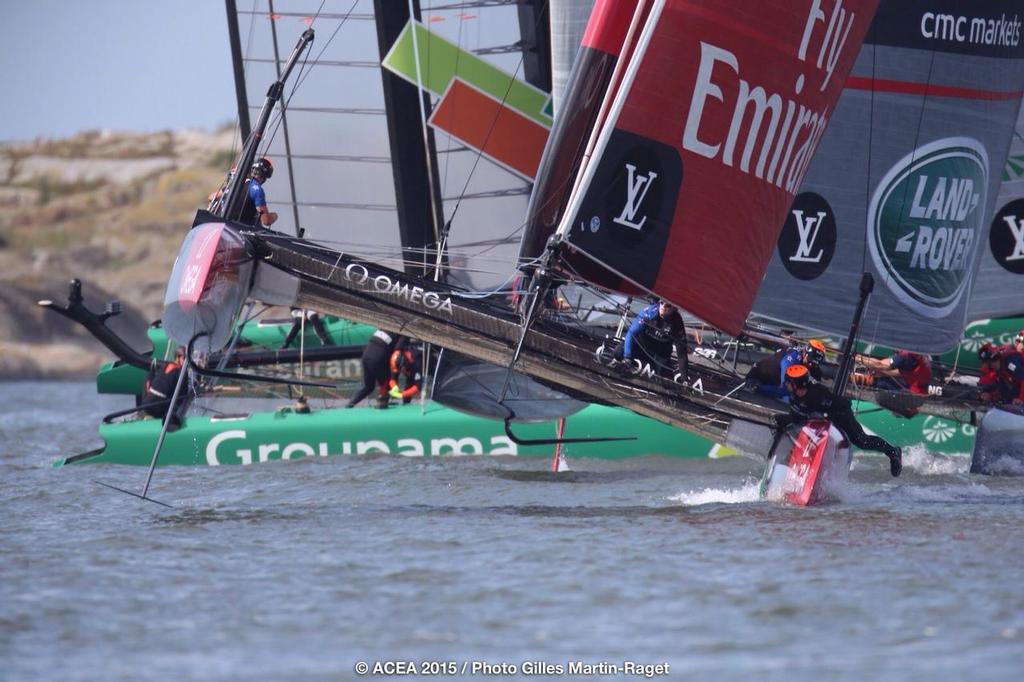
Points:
x=655, y=331
x=255, y=206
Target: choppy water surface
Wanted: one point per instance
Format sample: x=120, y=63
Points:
x=299, y=570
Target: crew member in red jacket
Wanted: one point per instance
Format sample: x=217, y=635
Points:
x=1002, y=374
x=901, y=371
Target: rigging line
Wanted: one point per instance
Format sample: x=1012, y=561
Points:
x=283, y=119
x=434, y=191
x=487, y=137
x=300, y=79
x=451, y=114
x=871, y=134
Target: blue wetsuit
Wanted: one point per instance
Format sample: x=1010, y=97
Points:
x=651, y=337
x=255, y=198
x=769, y=374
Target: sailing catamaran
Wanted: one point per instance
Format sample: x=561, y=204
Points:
x=313, y=220
x=643, y=216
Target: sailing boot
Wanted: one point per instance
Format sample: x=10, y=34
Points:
x=895, y=456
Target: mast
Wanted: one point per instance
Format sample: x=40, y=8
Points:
x=284, y=126
x=413, y=152
x=236, y=189
x=241, y=97
x=535, y=28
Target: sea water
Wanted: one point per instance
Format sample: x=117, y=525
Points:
x=492, y=568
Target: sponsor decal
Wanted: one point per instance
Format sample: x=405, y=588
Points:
x=783, y=133
x=924, y=223
x=978, y=334
x=808, y=238
x=938, y=431
x=358, y=275
x=198, y=261
x=233, y=447
x=1006, y=238
x=636, y=189
x=959, y=28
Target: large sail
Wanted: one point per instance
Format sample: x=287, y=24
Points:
x=591, y=83
x=1000, y=279
x=356, y=166
x=906, y=178
x=719, y=113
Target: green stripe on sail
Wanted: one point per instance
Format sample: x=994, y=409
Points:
x=440, y=61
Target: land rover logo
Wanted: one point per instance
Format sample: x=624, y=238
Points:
x=924, y=220
x=1006, y=238
x=808, y=239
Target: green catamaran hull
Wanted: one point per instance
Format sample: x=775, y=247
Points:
x=434, y=430
x=408, y=430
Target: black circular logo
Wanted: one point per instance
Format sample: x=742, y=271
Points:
x=1006, y=238
x=808, y=239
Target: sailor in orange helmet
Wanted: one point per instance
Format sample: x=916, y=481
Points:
x=808, y=398
x=767, y=376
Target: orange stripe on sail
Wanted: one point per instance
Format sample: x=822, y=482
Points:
x=483, y=123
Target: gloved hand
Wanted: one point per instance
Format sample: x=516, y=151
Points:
x=395, y=392
x=783, y=420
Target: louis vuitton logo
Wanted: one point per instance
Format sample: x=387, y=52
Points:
x=636, y=189
x=1017, y=230
x=808, y=228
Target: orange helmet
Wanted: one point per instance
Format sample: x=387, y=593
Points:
x=815, y=351
x=797, y=376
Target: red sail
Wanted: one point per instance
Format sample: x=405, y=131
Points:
x=580, y=113
x=712, y=129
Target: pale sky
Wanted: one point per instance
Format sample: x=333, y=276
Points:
x=134, y=65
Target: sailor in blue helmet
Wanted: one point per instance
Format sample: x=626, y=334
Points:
x=255, y=206
x=655, y=331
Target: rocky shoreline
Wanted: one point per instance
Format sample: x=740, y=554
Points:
x=107, y=208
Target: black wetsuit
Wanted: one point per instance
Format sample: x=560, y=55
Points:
x=159, y=388
x=376, y=372
x=315, y=322
x=819, y=400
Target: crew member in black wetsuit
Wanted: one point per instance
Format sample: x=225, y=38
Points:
x=376, y=370
x=767, y=376
x=314, y=320
x=159, y=388
x=807, y=399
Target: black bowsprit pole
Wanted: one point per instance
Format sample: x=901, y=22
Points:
x=867, y=285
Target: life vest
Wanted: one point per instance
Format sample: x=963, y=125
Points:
x=161, y=383
x=403, y=363
x=919, y=375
